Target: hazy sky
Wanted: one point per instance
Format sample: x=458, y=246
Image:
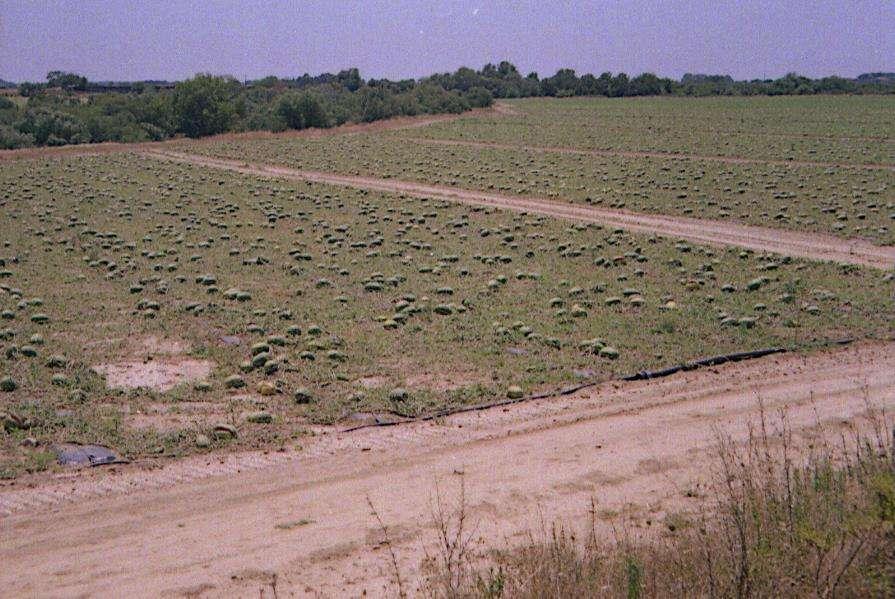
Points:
x=173, y=39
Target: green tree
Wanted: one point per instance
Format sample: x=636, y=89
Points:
x=351, y=79
x=53, y=127
x=29, y=89
x=479, y=97
x=300, y=110
x=11, y=138
x=434, y=99
x=646, y=84
x=66, y=81
x=618, y=87
x=204, y=105
x=376, y=103
x=564, y=83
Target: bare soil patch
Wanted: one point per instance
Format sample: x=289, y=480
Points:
x=172, y=417
x=443, y=381
x=505, y=109
x=416, y=378
x=162, y=373
x=373, y=381
x=164, y=423
x=159, y=375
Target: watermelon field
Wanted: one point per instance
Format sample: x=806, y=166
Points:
x=164, y=308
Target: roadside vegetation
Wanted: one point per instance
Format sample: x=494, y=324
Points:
x=773, y=523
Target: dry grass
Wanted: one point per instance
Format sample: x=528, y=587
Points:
x=775, y=524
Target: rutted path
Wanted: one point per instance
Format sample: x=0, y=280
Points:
x=719, y=233
x=305, y=524
x=646, y=154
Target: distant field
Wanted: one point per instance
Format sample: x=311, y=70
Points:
x=151, y=272
x=846, y=129
x=841, y=199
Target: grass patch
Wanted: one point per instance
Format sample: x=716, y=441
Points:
x=293, y=524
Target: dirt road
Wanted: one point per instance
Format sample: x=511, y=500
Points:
x=646, y=154
x=305, y=526
x=718, y=233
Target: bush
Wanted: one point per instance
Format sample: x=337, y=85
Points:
x=301, y=110
x=153, y=132
x=479, y=97
x=376, y=104
x=11, y=138
x=28, y=89
x=204, y=105
x=433, y=100
x=50, y=126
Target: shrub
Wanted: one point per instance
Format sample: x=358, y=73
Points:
x=204, y=105
x=301, y=110
x=479, y=97
x=11, y=138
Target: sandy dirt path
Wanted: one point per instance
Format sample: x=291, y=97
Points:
x=712, y=232
x=635, y=448
x=647, y=154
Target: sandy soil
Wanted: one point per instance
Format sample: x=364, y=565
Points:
x=644, y=154
x=712, y=232
x=153, y=363
x=300, y=521
x=159, y=375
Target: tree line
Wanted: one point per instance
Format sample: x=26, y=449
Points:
x=505, y=81
x=68, y=113
x=69, y=109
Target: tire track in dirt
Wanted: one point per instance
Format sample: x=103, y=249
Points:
x=638, y=448
x=711, y=232
x=644, y=154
